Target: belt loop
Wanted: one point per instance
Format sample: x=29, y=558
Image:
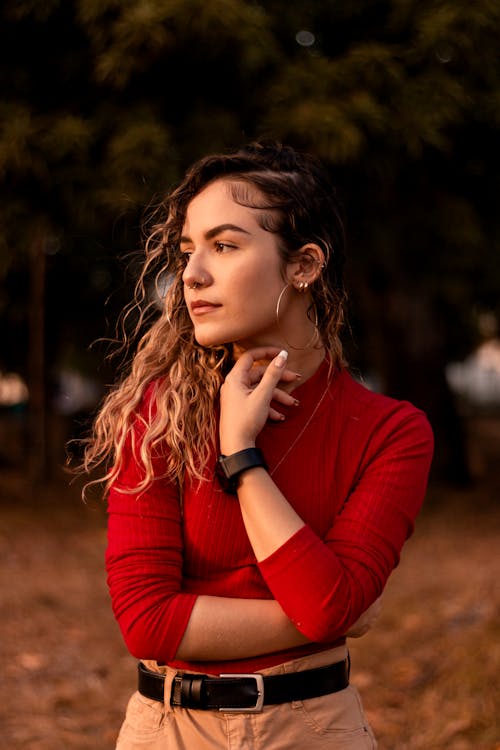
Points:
x=169, y=687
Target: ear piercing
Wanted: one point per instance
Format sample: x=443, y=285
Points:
x=302, y=286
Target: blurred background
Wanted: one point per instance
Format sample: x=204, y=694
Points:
x=104, y=105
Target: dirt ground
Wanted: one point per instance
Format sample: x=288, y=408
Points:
x=428, y=671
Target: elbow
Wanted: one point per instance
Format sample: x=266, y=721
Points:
x=136, y=646
x=324, y=629
x=329, y=622
x=137, y=637
x=152, y=626
x=135, y=623
x=142, y=642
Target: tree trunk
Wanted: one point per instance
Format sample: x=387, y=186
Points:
x=37, y=416
x=406, y=347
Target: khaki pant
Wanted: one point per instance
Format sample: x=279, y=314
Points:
x=334, y=721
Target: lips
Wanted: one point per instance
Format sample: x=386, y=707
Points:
x=202, y=306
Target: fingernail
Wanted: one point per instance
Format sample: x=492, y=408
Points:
x=281, y=359
x=296, y=402
x=298, y=375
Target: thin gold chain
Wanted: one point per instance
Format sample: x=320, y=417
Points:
x=294, y=443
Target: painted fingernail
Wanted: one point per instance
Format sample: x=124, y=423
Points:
x=281, y=359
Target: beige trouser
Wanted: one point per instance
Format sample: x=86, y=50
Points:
x=334, y=721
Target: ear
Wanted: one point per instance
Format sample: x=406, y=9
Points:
x=308, y=266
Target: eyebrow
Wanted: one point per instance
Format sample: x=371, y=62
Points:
x=211, y=233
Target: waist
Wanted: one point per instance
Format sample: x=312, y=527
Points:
x=299, y=679
x=257, y=663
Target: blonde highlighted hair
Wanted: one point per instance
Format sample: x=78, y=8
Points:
x=297, y=202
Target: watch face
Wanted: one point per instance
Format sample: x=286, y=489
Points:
x=228, y=484
x=229, y=468
x=226, y=466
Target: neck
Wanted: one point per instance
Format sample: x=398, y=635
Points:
x=306, y=361
x=303, y=361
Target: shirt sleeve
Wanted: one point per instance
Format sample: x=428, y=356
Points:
x=144, y=561
x=324, y=585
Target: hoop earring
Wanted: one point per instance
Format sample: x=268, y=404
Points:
x=314, y=338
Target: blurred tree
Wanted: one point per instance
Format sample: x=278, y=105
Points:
x=403, y=98
x=106, y=102
x=95, y=120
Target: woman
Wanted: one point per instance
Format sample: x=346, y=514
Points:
x=259, y=497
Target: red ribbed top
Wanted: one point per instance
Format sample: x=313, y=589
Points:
x=357, y=477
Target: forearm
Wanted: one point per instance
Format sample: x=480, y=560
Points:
x=223, y=629
x=321, y=596
x=269, y=518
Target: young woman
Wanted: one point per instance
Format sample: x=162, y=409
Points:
x=258, y=497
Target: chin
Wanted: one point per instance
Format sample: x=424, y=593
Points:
x=243, y=338
x=210, y=342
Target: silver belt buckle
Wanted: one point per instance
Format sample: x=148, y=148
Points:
x=259, y=681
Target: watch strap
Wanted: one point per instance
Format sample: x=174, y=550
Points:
x=229, y=468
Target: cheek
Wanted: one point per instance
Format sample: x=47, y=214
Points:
x=265, y=282
x=256, y=306
x=256, y=296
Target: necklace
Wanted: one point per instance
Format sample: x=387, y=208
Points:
x=294, y=442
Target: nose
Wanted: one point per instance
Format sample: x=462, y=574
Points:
x=196, y=274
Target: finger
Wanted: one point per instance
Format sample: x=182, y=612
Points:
x=246, y=361
x=256, y=373
x=290, y=376
x=282, y=397
x=287, y=376
x=273, y=374
x=275, y=416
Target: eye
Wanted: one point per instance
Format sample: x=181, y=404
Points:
x=223, y=246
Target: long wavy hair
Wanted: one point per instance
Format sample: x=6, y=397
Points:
x=297, y=202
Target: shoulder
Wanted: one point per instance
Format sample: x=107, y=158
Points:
x=152, y=392
x=137, y=440
x=361, y=398
x=380, y=415
x=147, y=406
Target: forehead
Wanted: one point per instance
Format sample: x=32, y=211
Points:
x=216, y=202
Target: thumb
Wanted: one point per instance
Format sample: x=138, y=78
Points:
x=274, y=372
x=280, y=360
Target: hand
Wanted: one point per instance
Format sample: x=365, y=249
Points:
x=246, y=395
x=366, y=621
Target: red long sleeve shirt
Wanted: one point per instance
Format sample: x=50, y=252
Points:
x=356, y=476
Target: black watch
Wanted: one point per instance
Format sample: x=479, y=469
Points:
x=229, y=468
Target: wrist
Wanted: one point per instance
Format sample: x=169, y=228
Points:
x=230, y=468
x=230, y=447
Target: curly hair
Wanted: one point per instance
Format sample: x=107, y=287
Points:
x=297, y=202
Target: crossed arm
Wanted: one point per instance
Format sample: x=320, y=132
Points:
x=220, y=628
x=217, y=626
x=337, y=577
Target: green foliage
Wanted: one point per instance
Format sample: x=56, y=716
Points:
x=128, y=38
x=400, y=97
x=139, y=150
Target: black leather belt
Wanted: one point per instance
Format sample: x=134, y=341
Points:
x=244, y=692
